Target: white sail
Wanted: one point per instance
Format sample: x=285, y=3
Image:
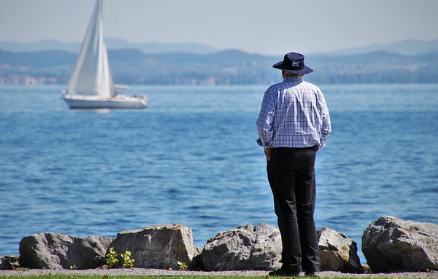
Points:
x=92, y=74
x=91, y=85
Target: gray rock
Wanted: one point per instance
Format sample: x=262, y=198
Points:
x=7, y=262
x=244, y=248
x=160, y=246
x=394, y=244
x=338, y=252
x=4, y=264
x=57, y=251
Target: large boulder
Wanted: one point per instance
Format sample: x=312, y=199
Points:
x=159, y=246
x=58, y=251
x=338, y=252
x=393, y=244
x=244, y=248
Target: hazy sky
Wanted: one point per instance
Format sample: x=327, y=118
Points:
x=257, y=26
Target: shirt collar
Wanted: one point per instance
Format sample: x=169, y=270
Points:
x=294, y=79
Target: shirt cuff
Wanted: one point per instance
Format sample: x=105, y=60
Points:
x=260, y=143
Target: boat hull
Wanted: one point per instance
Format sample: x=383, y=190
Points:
x=117, y=102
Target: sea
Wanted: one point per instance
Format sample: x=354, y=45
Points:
x=191, y=158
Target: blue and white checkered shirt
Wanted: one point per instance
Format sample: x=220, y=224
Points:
x=293, y=114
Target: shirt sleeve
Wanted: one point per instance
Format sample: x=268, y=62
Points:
x=266, y=118
x=326, y=127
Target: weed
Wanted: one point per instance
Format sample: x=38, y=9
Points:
x=111, y=258
x=182, y=266
x=128, y=262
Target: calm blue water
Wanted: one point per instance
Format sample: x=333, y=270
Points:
x=191, y=158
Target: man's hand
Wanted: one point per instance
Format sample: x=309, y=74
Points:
x=268, y=154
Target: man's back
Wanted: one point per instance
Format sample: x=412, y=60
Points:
x=294, y=114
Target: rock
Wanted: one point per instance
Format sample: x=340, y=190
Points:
x=244, y=248
x=160, y=246
x=57, y=251
x=394, y=244
x=4, y=264
x=367, y=269
x=338, y=252
x=8, y=262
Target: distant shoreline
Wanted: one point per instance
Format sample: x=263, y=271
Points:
x=229, y=67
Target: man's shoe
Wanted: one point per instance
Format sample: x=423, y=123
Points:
x=312, y=274
x=282, y=273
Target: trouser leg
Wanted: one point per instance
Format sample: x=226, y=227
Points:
x=283, y=190
x=286, y=224
x=306, y=197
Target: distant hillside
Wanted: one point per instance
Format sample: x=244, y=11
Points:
x=132, y=66
x=152, y=48
x=155, y=48
x=375, y=67
x=408, y=47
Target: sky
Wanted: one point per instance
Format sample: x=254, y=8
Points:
x=257, y=26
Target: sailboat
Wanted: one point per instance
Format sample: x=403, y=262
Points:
x=91, y=84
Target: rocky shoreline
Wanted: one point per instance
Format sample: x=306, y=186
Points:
x=388, y=244
x=162, y=272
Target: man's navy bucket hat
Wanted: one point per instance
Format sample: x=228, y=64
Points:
x=293, y=63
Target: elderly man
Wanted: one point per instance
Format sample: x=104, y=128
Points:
x=293, y=124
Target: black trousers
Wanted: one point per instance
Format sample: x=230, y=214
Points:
x=291, y=175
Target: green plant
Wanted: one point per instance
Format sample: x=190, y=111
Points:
x=128, y=262
x=19, y=268
x=111, y=258
x=182, y=266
